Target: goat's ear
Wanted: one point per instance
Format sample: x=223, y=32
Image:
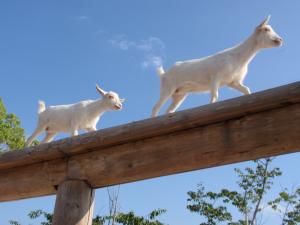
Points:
x=101, y=91
x=122, y=100
x=265, y=22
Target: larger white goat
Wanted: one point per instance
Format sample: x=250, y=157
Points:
x=226, y=68
x=83, y=115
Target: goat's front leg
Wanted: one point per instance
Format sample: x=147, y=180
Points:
x=37, y=131
x=240, y=87
x=214, y=93
x=73, y=128
x=163, y=98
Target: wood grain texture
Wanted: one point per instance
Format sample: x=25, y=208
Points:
x=249, y=127
x=187, y=119
x=74, y=203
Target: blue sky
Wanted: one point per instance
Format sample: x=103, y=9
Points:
x=57, y=50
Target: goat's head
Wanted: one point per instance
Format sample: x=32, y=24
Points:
x=111, y=98
x=266, y=37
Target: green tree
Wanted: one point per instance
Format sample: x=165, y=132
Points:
x=288, y=205
x=11, y=134
x=13, y=222
x=207, y=204
x=132, y=219
x=253, y=184
x=37, y=213
x=121, y=218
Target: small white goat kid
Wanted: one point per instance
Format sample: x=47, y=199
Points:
x=83, y=115
x=226, y=68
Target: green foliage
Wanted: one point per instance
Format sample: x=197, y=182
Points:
x=131, y=219
x=99, y=220
x=13, y=222
x=11, y=134
x=253, y=184
x=206, y=204
x=156, y=213
x=38, y=213
x=121, y=218
x=288, y=204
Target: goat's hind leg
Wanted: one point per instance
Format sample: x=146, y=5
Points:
x=49, y=137
x=240, y=87
x=214, y=92
x=177, y=101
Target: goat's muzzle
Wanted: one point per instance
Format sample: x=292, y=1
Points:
x=118, y=106
x=278, y=41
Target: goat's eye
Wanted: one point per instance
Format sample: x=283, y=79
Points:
x=111, y=97
x=267, y=29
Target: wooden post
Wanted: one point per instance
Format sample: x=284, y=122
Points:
x=74, y=203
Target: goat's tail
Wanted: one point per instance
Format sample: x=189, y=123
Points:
x=42, y=107
x=160, y=71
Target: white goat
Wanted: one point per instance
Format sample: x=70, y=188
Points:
x=83, y=115
x=226, y=68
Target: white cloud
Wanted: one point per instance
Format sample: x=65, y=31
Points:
x=152, y=49
x=147, y=45
x=268, y=209
x=150, y=44
x=78, y=18
x=83, y=18
x=152, y=60
x=101, y=32
x=121, y=44
x=270, y=213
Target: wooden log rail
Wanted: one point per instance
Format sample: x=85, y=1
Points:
x=263, y=124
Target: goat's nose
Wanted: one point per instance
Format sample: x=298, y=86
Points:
x=118, y=106
x=278, y=41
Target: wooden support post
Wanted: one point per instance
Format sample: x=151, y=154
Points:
x=74, y=203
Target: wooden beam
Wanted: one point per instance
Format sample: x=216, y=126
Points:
x=74, y=203
x=249, y=127
x=187, y=119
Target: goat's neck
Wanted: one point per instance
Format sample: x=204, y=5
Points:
x=247, y=50
x=97, y=108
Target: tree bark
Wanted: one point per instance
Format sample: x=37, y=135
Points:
x=74, y=203
x=261, y=195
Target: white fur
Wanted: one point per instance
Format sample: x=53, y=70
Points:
x=71, y=118
x=226, y=68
